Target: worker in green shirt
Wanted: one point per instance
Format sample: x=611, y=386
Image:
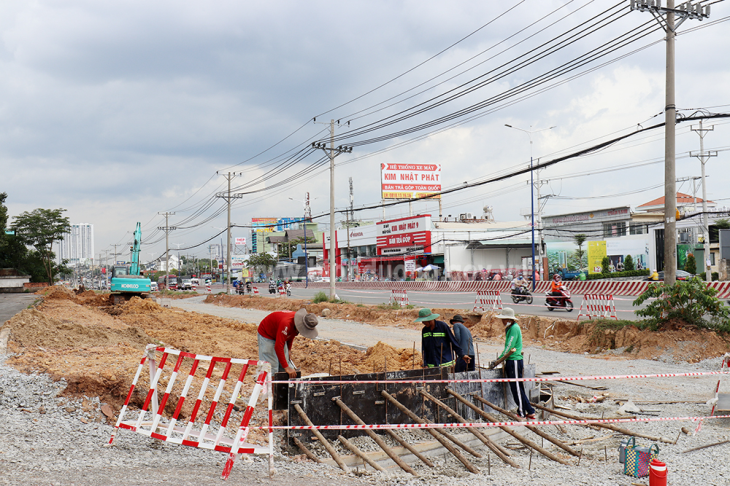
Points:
x=514, y=365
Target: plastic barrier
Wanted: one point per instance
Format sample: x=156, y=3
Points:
x=598, y=305
x=725, y=363
x=399, y=296
x=195, y=288
x=255, y=291
x=152, y=423
x=207, y=288
x=282, y=292
x=487, y=300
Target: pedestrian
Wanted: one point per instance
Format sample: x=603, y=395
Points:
x=463, y=337
x=438, y=344
x=276, y=335
x=514, y=365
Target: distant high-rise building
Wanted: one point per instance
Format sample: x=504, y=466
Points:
x=77, y=246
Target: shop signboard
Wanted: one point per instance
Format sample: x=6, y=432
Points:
x=241, y=241
x=410, y=181
x=406, y=235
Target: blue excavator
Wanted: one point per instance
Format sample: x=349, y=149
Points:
x=126, y=280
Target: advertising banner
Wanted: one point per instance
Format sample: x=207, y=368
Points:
x=238, y=261
x=564, y=256
x=241, y=241
x=596, y=254
x=410, y=181
x=407, y=235
x=264, y=224
x=410, y=264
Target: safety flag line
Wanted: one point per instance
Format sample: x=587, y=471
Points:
x=496, y=424
x=507, y=380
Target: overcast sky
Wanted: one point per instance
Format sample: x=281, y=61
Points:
x=119, y=111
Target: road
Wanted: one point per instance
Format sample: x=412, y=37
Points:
x=453, y=300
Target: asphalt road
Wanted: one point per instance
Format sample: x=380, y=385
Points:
x=454, y=300
x=12, y=303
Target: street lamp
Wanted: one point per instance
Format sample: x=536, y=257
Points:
x=532, y=203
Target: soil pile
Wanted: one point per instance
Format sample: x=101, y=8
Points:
x=383, y=357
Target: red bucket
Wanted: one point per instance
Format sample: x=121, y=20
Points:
x=657, y=473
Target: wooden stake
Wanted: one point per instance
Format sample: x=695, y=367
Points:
x=306, y=451
x=604, y=426
x=581, y=456
x=486, y=440
x=706, y=446
x=605, y=454
x=529, y=465
x=410, y=448
x=531, y=428
x=360, y=453
x=413, y=366
x=511, y=432
x=375, y=437
x=436, y=434
x=321, y=438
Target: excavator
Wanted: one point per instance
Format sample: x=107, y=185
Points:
x=126, y=280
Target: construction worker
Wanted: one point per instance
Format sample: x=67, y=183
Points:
x=438, y=344
x=276, y=335
x=513, y=365
x=463, y=337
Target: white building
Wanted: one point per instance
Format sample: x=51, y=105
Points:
x=77, y=246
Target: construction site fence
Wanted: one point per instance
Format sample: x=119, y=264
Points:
x=620, y=288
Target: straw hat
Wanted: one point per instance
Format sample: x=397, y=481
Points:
x=507, y=313
x=306, y=323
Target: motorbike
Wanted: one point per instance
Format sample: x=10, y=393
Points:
x=520, y=294
x=288, y=290
x=272, y=288
x=555, y=302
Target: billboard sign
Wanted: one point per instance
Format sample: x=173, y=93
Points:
x=264, y=224
x=241, y=241
x=238, y=261
x=406, y=235
x=286, y=223
x=410, y=181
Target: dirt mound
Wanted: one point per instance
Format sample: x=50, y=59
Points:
x=138, y=305
x=383, y=357
x=32, y=327
x=57, y=292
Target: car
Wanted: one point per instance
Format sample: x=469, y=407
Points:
x=186, y=284
x=681, y=275
x=154, y=287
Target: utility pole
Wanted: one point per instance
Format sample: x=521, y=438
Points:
x=704, y=157
x=228, y=197
x=685, y=11
x=538, y=184
x=532, y=203
x=167, y=228
x=332, y=152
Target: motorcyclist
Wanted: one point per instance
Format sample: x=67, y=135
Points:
x=249, y=286
x=519, y=285
x=556, y=288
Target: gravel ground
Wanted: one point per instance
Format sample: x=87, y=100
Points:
x=44, y=440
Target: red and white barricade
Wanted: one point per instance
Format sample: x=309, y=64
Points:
x=207, y=287
x=153, y=422
x=598, y=305
x=255, y=291
x=195, y=288
x=399, y=296
x=282, y=292
x=487, y=300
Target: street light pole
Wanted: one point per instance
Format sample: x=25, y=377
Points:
x=532, y=206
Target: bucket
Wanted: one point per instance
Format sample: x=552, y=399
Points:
x=657, y=473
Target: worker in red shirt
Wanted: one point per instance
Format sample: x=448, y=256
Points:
x=276, y=336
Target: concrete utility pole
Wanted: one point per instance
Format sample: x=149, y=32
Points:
x=685, y=11
x=228, y=197
x=532, y=205
x=167, y=228
x=704, y=157
x=332, y=152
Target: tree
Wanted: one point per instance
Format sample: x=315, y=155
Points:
x=40, y=229
x=690, y=266
x=629, y=263
x=579, y=253
x=605, y=265
x=262, y=261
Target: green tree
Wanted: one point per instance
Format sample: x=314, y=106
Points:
x=605, y=264
x=689, y=300
x=629, y=263
x=262, y=261
x=40, y=229
x=579, y=239
x=3, y=217
x=690, y=266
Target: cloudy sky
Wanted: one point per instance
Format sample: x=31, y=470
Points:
x=120, y=111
